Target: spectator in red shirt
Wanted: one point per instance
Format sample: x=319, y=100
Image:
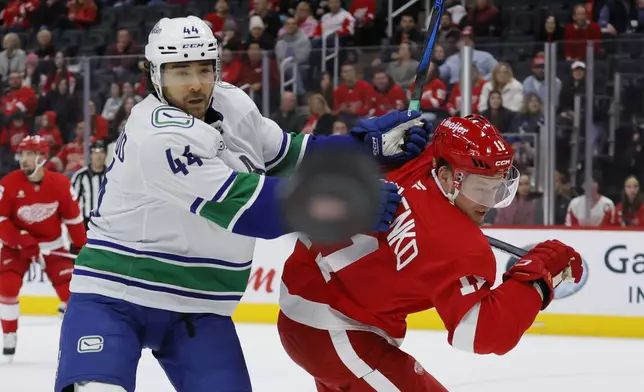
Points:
x=389, y=96
x=320, y=121
x=72, y=156
x=123, y=46
x=58, y=73
x=17, y=14
x=353, y=98
x=485, y=19
x=18, y=98
x=100, y=126
x=231, y=67
x=434, y=95
x=454, y=106
x=364, y=13
x=81, y=14
x=14, y=132
x=251, y=77
x=578, y=33
x=630, y=210
x=219, y=17
x=50, y=132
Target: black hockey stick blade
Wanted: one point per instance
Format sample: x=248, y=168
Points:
x=505, y=247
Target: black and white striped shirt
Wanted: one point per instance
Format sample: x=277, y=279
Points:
x=86, y=184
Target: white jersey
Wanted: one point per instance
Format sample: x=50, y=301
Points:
x=175, y=195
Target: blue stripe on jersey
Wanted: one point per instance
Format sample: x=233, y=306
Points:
x=281, y=152
x=225, y=186
x=263, y=218
x=195, y=205
x=169, y=256
x=116, y=279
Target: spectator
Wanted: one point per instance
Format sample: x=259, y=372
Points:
x=45, y=48
x=602, y=209
x=455, y=104
x=615, y=16
x=434, y=93
x=630, y=210
x=326, y=88
x=293, y=44
x=50, y=132
x=87, y=181
x=485, y=19
x=575, y=86
x=337, y=21
x=128, y=91
x=403, y=69
x=450, y=71
x=340, y=128
x=251, y=78
x=16, y=129
x=407, y=31
x=113, y=103
x=258, y=34
x=306, y=23
x=438, y=55
x=72, y=157
x=640, y=16
x=231, y=39
x=287, y=116
x=354, y=97
x=31, y=77
x=525, y=209
x=535, y=83
x=12, y=58
x=18, y=98
x=231, y=67
x=58, y=72
x=578, y=33
x=17, y=14
x=563, y=195
x=99, y=125
x=320, y=121
x=456, y=10
x=218, y=18
x=389, y=96
x=496, y=112
x=530, y=118
x=119, y=120
x=550, y=31
x=272, y=21
x=364, y=13
x=448, y=34
x=81, y=14
x=63, y=102
x=125, y=50
x=633, y=157
x=511, y=89
x=49, y=13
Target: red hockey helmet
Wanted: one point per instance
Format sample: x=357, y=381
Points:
x=36, y=144
x=480, y=158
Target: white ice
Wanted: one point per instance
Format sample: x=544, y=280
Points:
x=538, y=363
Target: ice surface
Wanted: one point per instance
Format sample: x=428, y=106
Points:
x=538, y=364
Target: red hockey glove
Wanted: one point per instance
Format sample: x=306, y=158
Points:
x=29, y=248
x=546, y=265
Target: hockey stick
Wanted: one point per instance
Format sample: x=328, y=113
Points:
x=46, y=252
x=423, y=66
x=564, y=276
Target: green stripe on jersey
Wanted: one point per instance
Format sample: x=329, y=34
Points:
x=294, y=150
x=239, y=194
x=190, y=276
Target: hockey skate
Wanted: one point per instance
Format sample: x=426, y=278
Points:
x=9, y=349
x=62, y=308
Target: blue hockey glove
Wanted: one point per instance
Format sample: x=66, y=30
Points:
x=395, y=138
x=390, y=201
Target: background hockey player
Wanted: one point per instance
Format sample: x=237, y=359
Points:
x=344, y=308
x=194, y=179
x=34, y=203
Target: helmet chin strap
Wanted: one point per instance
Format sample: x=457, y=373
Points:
x=40, y=163
x=450, y=196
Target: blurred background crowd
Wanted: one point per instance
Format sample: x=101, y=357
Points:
x=73, y=68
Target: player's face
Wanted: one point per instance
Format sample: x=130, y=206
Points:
x=27, y=160
x=98, y=158
x=188, y=86
x=476, y=212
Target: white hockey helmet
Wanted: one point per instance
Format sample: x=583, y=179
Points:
x=177, y=40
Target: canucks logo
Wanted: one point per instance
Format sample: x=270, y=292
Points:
x=565, y=289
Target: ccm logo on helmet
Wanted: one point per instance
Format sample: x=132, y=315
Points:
x=503, y=163
x=192, y=46
x=456, y=127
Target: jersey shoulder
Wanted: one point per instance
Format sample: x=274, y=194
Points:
x=232, y=103
x=12, y=178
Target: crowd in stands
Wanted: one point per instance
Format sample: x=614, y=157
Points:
x=43, y=87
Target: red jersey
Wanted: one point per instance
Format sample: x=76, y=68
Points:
x=357, y=99
x=231, y=73
x=434, y=95
x=72, y=156
x=433, y=256
x=18, y=12
x=629, y=218
x=23, y=99
x=455, y=99
x=40, y=209
x=392, y=99
x=12, y=135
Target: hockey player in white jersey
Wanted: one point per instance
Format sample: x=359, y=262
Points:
x=192, y=183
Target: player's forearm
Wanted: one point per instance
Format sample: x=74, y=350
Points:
x=77, y=233
x=9, y=233
x=496, y=323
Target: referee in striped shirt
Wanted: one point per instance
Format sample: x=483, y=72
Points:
x=87, y=181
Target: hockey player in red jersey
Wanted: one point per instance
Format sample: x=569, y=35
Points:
x=34, y=203
x=343, y=309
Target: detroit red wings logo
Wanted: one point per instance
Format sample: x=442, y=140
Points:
x=38, y=212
